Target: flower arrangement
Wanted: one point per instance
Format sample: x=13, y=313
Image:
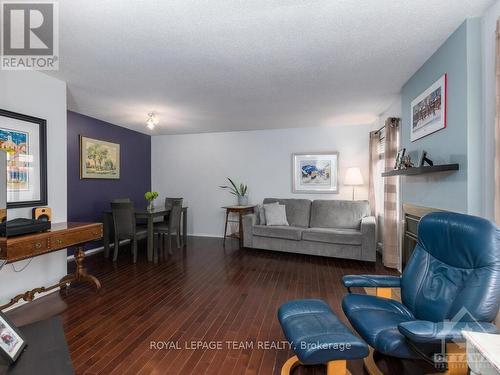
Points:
x=150, y=197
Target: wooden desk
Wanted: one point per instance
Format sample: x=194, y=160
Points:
x=60, y=236
x=149, y=215
x=241, y=211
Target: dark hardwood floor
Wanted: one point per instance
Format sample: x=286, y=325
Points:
x=200, y=295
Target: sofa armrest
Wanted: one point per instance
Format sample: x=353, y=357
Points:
x=248, y=222
x=371, y=281
x=422, y=331
x=368, y=238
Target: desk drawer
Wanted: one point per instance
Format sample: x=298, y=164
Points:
x=29, y=248
x=62, y=240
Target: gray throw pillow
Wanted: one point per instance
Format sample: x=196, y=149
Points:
x=262, y=212
x=275, y=214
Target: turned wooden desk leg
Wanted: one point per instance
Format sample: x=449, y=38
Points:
x=80, y=274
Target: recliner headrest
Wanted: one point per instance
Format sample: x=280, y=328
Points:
x=444, y=235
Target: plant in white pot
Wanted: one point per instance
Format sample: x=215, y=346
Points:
x=240, y=191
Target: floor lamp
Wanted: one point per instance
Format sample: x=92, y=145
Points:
x=353, y=178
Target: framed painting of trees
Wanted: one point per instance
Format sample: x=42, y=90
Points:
x=99, y=159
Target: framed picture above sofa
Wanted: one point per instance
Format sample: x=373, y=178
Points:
x=24, y=140
x=315, y=172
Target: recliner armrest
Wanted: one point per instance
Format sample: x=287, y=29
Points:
x=371, y=281
x=422, y=331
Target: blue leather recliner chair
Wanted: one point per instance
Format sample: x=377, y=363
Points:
x=451, y=283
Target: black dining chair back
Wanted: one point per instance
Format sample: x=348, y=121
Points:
x=124, y=219
x=126, y=227
x=172, y=224
x=168, y=205
x=175, y=216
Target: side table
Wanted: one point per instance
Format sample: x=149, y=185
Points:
x=483, y=352
x=240, y=211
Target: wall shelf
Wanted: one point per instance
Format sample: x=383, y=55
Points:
x=421, y=170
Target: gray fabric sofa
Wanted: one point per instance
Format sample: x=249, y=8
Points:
x=332, y=228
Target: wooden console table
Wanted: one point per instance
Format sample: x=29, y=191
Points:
x=60, y=236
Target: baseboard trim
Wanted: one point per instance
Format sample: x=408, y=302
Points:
x=23, y=302
x=205, y=235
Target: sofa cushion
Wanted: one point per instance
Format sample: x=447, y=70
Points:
x=288, y=233
x=329, y=235
x=275, y=214
x=338, y=214
x=262, y=213
x=298, y=211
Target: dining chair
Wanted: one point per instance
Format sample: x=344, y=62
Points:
x=172, y=225
x=125, y=227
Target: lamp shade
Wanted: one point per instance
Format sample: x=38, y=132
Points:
x=353, y=177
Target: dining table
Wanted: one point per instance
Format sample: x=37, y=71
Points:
x=149, y=214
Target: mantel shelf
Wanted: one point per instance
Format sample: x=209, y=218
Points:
x=421, y=170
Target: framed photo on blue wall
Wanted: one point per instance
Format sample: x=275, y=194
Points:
x=24, y=140
x=428, y=110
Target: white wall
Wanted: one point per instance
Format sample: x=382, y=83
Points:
x=393, y=111
x=193, y=166
x=36, y=94
x=488, y=24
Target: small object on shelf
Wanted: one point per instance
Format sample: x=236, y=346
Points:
x=22, y=226
x=42, y=213
x=407, y=162
x=421, y=157
x=399, y=158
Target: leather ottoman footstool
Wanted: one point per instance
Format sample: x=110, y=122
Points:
x=317, y=336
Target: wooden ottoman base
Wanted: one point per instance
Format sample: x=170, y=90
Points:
x=332, y=368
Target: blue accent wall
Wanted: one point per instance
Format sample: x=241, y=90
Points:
x=87, y=198
x=454, y=144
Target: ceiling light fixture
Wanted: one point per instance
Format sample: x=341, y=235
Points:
x=152, y=121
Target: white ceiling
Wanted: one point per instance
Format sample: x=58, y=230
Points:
x=224, y=65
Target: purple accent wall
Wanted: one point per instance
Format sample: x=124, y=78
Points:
x=87, y=198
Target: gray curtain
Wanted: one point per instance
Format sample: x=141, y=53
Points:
x=373, y=150
x=391, y=251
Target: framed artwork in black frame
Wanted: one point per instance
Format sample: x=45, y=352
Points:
x=24, y=140
x=12, y=341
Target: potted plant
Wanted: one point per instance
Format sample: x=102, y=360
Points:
x=240, y=191
x=150, y=197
